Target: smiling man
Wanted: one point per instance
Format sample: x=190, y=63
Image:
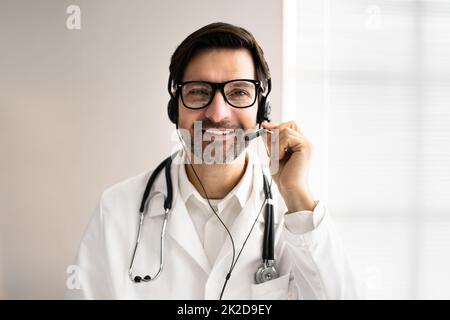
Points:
x=210, y=223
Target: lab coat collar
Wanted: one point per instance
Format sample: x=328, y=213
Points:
x=244, y=221
x=241, y=191
x=159, y=190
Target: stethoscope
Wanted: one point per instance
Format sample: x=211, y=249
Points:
x=266, y=270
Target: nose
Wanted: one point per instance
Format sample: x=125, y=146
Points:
x=218, y=110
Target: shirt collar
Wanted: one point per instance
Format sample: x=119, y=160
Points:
x=241, y=191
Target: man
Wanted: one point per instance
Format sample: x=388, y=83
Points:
x=211, y=244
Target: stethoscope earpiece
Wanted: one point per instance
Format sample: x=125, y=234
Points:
x=138, y=279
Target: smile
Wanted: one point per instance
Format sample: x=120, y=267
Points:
x=217, y=132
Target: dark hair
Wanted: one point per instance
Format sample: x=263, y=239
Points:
x=217, y=35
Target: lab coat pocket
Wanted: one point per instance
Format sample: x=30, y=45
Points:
x=276, y=289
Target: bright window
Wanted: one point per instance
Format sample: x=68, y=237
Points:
x=369, y=82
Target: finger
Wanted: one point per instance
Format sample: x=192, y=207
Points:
x=288, y=124
x=292, y=125
x=269, y=125
x=285, y=141
x=291, y=141
x=269, y=138
x=278, y=139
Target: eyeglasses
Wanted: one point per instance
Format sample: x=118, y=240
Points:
x=240, y=93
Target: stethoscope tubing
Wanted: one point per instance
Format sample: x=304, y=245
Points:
x=268, y=238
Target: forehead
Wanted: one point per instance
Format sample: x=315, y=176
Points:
x=219, y=65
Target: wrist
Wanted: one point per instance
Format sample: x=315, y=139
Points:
x=298, y=200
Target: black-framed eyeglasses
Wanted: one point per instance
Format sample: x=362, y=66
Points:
x=239, y=93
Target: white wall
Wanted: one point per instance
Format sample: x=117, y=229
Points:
x=83, y=109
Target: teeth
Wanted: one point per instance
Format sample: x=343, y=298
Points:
x=219, y=132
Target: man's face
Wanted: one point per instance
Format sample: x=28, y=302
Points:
x=219, y=65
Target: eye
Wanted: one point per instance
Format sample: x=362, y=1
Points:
x=198, y=92
x=239, y=93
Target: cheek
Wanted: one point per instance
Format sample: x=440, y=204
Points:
x=247, y=117
x=186, y=117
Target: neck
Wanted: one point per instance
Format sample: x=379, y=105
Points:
x=217, y=179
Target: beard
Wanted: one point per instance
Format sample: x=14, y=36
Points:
x=216, y=143
x=218, y=151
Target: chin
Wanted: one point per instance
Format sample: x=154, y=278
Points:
x=209, y=155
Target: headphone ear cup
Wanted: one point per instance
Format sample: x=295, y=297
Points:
x=267, y=110
x=264, y=109
x=172, y=110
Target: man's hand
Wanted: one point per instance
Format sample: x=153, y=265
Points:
x=294, y=156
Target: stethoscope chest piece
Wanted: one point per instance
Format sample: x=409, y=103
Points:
x=266, y=272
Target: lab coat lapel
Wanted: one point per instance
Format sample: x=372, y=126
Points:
x=243, y=224
x=251, y=254
x=181, y=228
x=179, y=224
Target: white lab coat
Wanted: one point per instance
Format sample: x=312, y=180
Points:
x=312, y=265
